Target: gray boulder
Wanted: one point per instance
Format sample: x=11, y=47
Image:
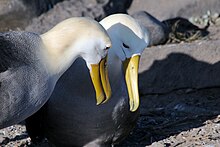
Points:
x=158, y=31
x=166, y=9
x=180, y=66
x=16, y=14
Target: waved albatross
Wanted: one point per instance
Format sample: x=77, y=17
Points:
x=69, y=119
x=31, y=64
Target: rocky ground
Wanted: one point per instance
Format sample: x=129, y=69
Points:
x=179, y=81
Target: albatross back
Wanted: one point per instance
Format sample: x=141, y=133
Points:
x=22, y=77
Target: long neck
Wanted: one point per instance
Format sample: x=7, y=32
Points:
x=59, y=53
x=114, y=66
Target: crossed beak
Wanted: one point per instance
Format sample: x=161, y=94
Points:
x=99, y=76
x=130, y=67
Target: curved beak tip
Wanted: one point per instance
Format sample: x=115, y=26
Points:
x=107, y=97
x=131, y=78
x=98, y=103
x=134, y=107
x=99, y=76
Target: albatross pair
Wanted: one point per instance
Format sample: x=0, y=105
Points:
x=31, y=64
x=70, y=117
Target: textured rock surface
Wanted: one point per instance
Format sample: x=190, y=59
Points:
x=157, y=30
x=165, y=9
x=12, y=14
x=183, y=117
x=187, y=65
x=96, y=9
x=16, y=14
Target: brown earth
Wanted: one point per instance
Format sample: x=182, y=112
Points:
x=179, y=84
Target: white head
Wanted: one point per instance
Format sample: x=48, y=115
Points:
x=79, y=37
x=129, y=39
x=76, y=37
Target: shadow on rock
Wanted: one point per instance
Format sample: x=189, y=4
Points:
x=178, y=93
x=41, y=6
x=16, y=14
x=115, y=6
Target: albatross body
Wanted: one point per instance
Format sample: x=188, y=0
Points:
x=31, y=64
x=75, y=121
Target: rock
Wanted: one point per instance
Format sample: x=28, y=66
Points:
x=16, y=14
x=10, y=11
x=173, y=8
x=64, y=10
x=180, y=66
x=158, y=31
x=96, y=9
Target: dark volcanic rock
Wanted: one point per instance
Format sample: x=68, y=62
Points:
x=158, y=31
x=177, y=66
x=162, y=9
x=96, y=9
x=16, y=14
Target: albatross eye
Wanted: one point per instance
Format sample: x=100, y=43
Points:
x=107, y=47
x=126, y=46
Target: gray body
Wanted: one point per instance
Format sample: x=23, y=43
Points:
x=23, y=78
x=72, y=118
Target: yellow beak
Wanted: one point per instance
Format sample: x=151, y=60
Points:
x=130, y=67
x=99, y=76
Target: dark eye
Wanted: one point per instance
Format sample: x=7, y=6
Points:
x=126, y=46
x=107, y=47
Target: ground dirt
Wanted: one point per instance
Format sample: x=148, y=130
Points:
x=179, y=83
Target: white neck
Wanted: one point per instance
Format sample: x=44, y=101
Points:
x=58, y=53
